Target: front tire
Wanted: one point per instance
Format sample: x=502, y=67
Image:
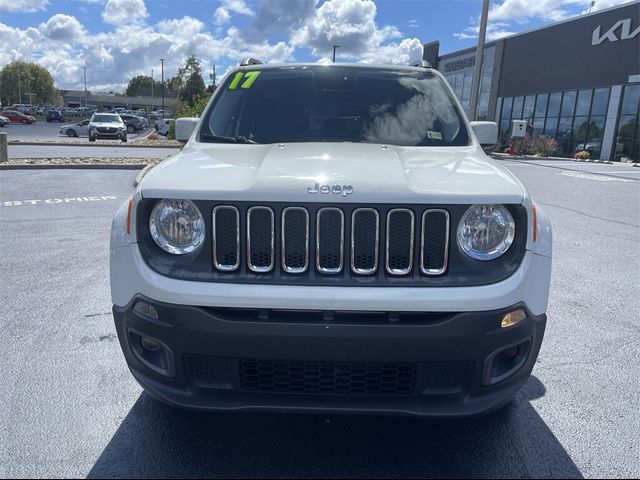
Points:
x=92, y=139
x=124, y=139
x=131, y=129
x=71, y=133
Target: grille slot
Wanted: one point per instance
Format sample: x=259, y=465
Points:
x=295, y=240
x=260, y=239
x=330, y=240
x=345, y=378
x=365, y=239
x=226, y=238
x=400, y=233
x=434, y=243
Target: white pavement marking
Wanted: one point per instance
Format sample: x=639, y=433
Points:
x=597, y=177
x=54, y=201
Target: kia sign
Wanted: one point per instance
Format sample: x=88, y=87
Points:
x=625, y=32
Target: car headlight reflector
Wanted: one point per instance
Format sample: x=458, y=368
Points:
x=486, y=232
x=177, y=226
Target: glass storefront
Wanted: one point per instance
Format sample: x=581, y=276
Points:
x=459, y=74
x=627, y=137
x=575, y=118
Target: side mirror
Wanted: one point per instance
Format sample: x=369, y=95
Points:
x=185, y=127
x=486, y=133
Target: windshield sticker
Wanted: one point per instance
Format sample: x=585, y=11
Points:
x=249, y=77
x=434, y=135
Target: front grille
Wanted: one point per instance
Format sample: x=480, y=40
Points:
x=347, y=378
x=329, y=377
x=360, y=240
x=106, y=130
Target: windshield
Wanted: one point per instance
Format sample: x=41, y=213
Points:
x=106, y=118
x=335, y=104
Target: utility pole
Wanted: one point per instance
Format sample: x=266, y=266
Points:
x=152, y=82
x=212, y=75
x=162, y=89
x=85, y=86
x=475, y=85
x=334, y=52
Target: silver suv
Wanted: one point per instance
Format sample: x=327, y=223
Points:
x=107, y=126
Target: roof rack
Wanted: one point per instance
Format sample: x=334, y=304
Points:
x=421, y=63
x=250, y=61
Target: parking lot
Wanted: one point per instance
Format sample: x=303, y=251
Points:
x=70, y=407
x=42, y=131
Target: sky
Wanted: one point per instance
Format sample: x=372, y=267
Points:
x=119, y=39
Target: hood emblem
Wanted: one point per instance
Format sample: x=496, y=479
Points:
x=343, y=190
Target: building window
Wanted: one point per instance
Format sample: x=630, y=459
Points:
x=576, y=119
x=627, y=137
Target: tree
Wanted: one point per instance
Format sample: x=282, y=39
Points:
x=141, y=81
x=188, y=82
x=33, y=79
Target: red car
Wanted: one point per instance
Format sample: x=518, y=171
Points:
x=16, y=117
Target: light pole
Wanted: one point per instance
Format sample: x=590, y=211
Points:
x=85, y=86
x=475, y=85
x=19, y=88
x=152, y=82
x=334, y=52
x=162, y=87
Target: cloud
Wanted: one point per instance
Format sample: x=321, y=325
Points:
x=506, y=14
x=222, y=14
x=118, y=12
x=348, y=23
x=277, y=16
x=26, y=6
x=62, y=28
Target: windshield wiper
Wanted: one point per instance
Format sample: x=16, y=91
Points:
x=222, y=139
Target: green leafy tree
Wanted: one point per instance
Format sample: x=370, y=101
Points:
x=188, y=83
x=33, y=79
x=141, y=81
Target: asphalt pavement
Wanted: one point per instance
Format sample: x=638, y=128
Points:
x=70, y=407
x=70, y=151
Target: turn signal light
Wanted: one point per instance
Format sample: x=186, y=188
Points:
x=513, y=318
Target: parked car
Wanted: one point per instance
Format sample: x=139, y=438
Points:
x=80, y=129
x=55, y=116
x=4, y=121
x=164, y=126
x=134, y=123
x=107, y=126
x=158, y=114
x=18, y=117
x=345, y=246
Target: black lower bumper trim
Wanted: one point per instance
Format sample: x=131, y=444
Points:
x=198, y=360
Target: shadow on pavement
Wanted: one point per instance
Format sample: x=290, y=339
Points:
x=156, y=441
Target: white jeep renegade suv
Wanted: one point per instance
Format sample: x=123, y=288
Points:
x=332, y=238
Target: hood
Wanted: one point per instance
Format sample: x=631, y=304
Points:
x=107, y=124
x=333, y=172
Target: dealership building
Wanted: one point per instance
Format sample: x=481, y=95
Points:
x=577, y=81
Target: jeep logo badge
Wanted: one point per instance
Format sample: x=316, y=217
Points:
x=343, y=190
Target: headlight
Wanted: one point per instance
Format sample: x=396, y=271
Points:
x=177, y=226
x=486, y=231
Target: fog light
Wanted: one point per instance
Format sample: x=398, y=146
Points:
x=146, y=310
x=149, y=344
x=513, y=318
x=510, y=353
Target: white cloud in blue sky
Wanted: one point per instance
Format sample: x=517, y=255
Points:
x=117, y=39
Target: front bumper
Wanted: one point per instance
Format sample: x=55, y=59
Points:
x=436, y=364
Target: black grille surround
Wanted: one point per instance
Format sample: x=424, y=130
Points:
x=460, y=269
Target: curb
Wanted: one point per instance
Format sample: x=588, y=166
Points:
x=62, y=144
x=76, y=166
x=559, y=159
